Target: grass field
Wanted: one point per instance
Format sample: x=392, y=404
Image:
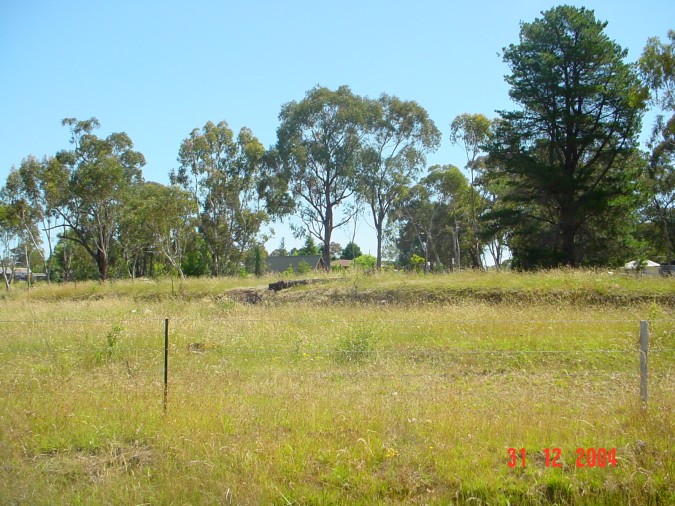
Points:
x=388, y=389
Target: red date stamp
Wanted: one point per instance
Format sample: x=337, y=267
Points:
x=586, y=457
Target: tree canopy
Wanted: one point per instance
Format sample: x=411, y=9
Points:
x=222, y=174
x=398, y=135
x=657, y=65
x=567, y=157
x=318, y=146
x=87, y=186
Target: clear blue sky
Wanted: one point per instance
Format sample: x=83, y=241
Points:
x=158, y=69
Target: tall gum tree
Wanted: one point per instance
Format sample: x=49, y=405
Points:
x=472, y=132
x=399, y=134
x=222, y=174
x=318, y=143
x=657, y=66
x=23, y=191
x=87, y=187
x=433, y=216
x=10, y=227
x=163, y=219
x=566, y=155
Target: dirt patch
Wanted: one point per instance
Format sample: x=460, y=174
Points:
x=95, y=465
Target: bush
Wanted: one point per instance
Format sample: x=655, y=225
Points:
x=417, y=262
x=366, y=262
x=304, y=267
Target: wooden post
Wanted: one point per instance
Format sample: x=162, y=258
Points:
x=644, y=348
x=166, y=362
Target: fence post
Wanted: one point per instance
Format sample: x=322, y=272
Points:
x=166, y=362
x=644, y=349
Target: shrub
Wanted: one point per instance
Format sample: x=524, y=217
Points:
x=417, y=262
x=304, y=267
x=366, y=262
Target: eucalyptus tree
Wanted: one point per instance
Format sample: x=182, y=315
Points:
x=472, y=132
x=449, y=188
x=133, y=237
x=433, y=216
x=492, y=233
x=10, y=227
x=318, y=146
x=164, y=219
x=417, y=218
x=566, y=157
x=25, y=190
x=222, y=174
x=399, y=134
x=657, y=65
x=26, y=218
x=87, y=187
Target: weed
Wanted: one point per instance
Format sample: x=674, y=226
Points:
x=654, y=313
x=357, y=345
x=112, y=340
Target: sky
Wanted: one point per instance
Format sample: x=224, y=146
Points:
x=159, y=69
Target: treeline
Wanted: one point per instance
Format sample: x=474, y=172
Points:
x=558, y=181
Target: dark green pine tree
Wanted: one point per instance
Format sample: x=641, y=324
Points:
x=567, y=158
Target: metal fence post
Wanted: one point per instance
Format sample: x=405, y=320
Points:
x=166, y=362
x=644, y=348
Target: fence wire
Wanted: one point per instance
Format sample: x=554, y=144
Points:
x=134, y=348
x=211, y=319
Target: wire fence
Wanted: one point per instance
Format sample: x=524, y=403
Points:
x=162, y=351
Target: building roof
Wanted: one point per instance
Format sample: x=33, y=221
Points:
x=280, y=264
x=633, y=264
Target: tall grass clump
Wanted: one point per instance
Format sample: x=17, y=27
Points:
x=357, y=345
x=112, y=340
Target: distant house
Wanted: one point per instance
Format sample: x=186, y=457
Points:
x=648, y=267
x=21, y=273
x=297, y=263
x=9, y=272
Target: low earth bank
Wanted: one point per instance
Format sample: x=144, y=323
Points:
x=565, y=287
x=411, y=296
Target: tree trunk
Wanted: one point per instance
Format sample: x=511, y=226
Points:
x=327, y=231
x=68, y=261
x=568, y=229
x=102, y=262
x=28, y=271
x=568, y=247
x=48, y=263
x=7, y=280
x=378, y=230
x=457, y=247
x=475, y=247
